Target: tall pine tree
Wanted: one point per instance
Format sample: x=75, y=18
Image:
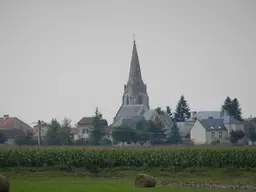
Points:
x=97, y=132
x=182, y=111
x=169, y=111
x=227, y=106
x=232, y=107
x=237, y=111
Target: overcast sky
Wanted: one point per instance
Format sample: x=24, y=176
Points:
x=61, y=58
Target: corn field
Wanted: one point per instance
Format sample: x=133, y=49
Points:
x=183, y=157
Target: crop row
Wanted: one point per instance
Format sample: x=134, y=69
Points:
x=129, y=157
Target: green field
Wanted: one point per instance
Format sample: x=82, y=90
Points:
x=44, y=183
x=114, y=168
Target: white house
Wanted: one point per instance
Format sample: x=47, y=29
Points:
x=205, y=131
x=83, y=128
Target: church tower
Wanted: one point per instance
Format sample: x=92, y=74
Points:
x=135, y=91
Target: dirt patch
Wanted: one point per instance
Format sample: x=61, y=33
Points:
x=198, y=184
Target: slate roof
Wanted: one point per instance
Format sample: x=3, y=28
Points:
x=185, y=127
x=128, y=111
x=135, y=71
x=85, y=121
x=149, y=114
x=213, y=124
x=231, y=120
x=206, y=114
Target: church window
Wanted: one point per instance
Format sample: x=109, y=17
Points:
x=127, y=100
x=140, y=99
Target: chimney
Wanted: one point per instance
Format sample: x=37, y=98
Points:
x=6, y=117
x=193, y=115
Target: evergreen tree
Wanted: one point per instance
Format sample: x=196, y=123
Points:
x=143, y=133
x=182, y=110
x=52, y=133
x=97, y=132
x=236, y=109
x=174, y=136
x=3, y=138
x=59, y=134
x=232, y=107
x=159, y=110
x=158, y=135
x=169, y=111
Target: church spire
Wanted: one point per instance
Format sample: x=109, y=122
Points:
x=135, y=72
x=135, y=91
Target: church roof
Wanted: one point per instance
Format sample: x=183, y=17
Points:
x=132, y=121
x=129, y=111
x=135, y=71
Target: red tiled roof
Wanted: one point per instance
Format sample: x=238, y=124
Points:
x=74, y=130
x=6, y=123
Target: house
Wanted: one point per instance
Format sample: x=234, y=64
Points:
x=74, y=132
x=83, y=128
x=206, y=131
x=44, y=129
x=13, y=127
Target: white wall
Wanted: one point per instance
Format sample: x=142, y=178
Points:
x=216, y=135
x=198, y=133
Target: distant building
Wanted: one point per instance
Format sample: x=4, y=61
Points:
x=44, y=129
x=13, y=127
x=135, y=100
x=209, y=129
x=85, y=126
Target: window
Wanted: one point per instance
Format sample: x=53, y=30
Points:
x=210, y=117
x=140, y=99
x=220, y=134
x=213, y=135
x=127, y=100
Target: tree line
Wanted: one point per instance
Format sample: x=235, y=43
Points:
x=143, y=132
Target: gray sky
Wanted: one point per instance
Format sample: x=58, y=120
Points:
x=63, y=58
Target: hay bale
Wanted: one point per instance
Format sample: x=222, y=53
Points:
x=4, y=184
x=144, y=180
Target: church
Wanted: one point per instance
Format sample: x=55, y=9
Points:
x=135, y=101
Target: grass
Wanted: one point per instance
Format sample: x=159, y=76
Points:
x=68, y=184
x=118, y=179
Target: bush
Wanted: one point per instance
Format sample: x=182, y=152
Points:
x=182, y=157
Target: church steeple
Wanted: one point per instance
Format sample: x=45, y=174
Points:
x=135, y=71
x=135, y=92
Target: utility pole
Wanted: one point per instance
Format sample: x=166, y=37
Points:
x=39, y=132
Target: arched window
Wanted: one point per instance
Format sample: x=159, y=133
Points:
x=127, y=100
x=140, y=99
